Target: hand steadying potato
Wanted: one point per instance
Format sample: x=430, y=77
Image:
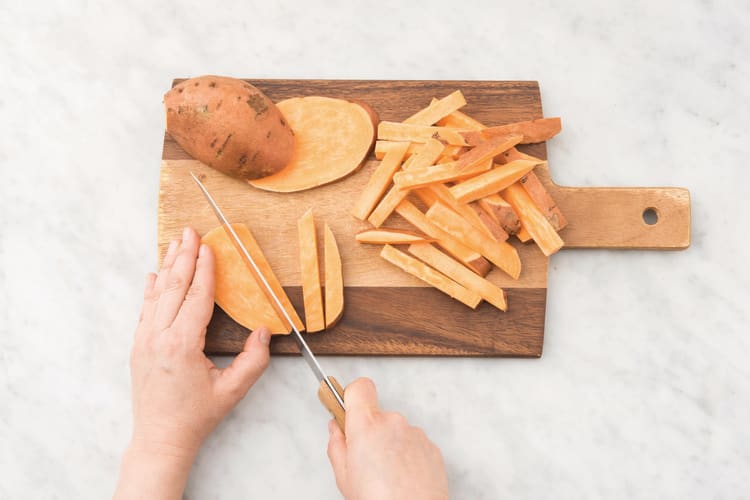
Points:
x=179, y=396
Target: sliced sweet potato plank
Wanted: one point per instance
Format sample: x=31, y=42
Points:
x=437, y=174
x=487, y=151
x=394, y=131
x=491, y=226
x=458, y=273
x=500, y=253
x=238, y=292
x=430, y=151
x=533, y=219
x=538, y=130
x=310, y=273
x=523, y=235
x=334, y=279
x=442, y=193
x=470, y=258
x=513, y=154
x=379, y=181
x=384, y=236
x=431, y=276
x=438, y=109
x=332, y=139
x=502, y=212
x=491, y=182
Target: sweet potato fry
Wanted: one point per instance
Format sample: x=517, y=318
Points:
x=537, y=191
x=431, y=276
x=438, y=109
x=489, y=224
x=533, y=219
x=458, y=273
x=379, y=181
x=394, y=131
x=502, y=212
x=533, y=131
x=437, y=174
x=487, y=150
x=523, y=235
x=460, y=120
x=435, y=192
x=491, y=182
x=308, y=259
x=502, y=254
x=385, y=236
x=513, y=154
x=430, y=151
x=334, y=279
x=470, y=258
x=382, y=147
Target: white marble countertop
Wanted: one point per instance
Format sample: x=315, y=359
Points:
x=644, y=387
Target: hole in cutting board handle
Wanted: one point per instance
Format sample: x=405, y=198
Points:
x=650, y=216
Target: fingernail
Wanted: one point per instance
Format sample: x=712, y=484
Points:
x=186, y=233
x=264, y=335
x=172, y=247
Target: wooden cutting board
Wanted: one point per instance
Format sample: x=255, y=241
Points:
x=388, y=312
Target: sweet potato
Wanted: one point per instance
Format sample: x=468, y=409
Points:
x=502, y=254
x=382, y=147
x=394, y=131
x=332, y=140
x=491, y=182
x=310, y=272
x=458, y=273
x=487, y=150
x=533, y=219
x=229, y=125
x=469, y=257
x=238, y=292
x=492, y=227
x=434, y=192
x=437, y=174
x=427, y=155
x=334, y=279
x=386, y=236
x=438, y=109
x=502, y=212
x=431, y=276
x=533, y=131
x=379, y=181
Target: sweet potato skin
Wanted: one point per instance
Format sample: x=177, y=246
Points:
x=229, y=125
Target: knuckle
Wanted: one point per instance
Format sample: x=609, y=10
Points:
x=197, y=292
x=175, y=283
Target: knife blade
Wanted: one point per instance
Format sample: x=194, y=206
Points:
x=330, y=392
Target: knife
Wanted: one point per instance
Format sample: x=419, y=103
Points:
x=330, y=392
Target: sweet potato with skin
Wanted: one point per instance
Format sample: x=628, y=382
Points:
x=334, y=279
x=533, y=131
x=238, y=292
x=332, y=140
x=229, y=125
x=502, y=212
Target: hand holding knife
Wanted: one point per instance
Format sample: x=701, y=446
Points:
x=330, y=392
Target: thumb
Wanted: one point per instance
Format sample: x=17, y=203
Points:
x=249, y=365
x=337, y=455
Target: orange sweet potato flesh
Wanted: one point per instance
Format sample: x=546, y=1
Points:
x=334, y=279
x=229, y=125
x=238, y=292
x=533, y=131
x=332, y=140
x=310, y=273
x=385, y=236
x=533, y=219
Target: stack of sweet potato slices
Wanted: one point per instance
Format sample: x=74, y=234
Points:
x=477, y=190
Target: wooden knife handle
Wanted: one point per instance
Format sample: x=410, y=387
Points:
x=329, y=401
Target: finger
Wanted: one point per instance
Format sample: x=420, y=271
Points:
x=337, y=454
x=149, y=299
x=361, y=394
x=166, y=265
x=195, y=312
x=248, y=366
x=180, y=276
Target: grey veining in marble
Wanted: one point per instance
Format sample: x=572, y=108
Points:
x=644, y=387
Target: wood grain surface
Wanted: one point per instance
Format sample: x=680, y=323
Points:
x=388, y=312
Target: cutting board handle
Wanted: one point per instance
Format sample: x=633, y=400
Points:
x=635, y=218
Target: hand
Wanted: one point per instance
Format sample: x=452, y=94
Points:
x=178, y=394
x=382, y=457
